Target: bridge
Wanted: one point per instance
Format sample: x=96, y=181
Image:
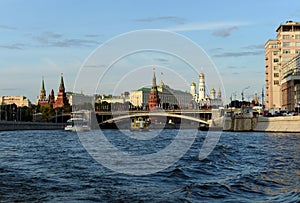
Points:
x=152, y=114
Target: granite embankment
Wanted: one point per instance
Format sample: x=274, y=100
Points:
x=278, y=124
x=12, y=125
x=263, y=124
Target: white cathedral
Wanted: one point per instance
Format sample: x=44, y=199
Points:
x=202, y=99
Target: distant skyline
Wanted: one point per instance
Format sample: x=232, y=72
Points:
x=46, y=38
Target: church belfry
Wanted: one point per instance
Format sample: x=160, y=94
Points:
x=201, y=87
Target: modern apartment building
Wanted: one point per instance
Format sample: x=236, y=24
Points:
x=290, y=84
x=278, y=52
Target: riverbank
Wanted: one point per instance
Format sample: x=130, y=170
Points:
x=278, y=124
x=285, y=124
x=13, y=125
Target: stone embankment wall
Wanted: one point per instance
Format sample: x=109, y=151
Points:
x=263, y=124
x=11, y=125
x=278, y=124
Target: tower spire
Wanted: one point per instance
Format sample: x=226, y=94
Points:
x=154, y=100
x=43, y=86
x=42, y=100
x=154, y=79
x=62, y=85
x=61, y=100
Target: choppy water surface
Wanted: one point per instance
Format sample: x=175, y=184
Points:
x=42, y=166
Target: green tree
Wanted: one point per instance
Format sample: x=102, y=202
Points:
x=47, y=112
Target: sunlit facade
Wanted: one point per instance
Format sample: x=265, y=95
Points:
x=278, y=52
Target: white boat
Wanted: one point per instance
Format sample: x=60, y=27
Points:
x=77, y=124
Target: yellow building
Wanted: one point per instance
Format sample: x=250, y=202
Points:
x=169, y=98
x=20, y=101
x=278, y=52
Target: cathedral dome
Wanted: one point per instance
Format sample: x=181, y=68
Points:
x=193, y=84
x=212, y=91
x=161, y=83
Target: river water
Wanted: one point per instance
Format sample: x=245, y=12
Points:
x=53, y=166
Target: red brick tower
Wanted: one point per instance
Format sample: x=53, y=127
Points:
x=154, y=99
x=43, y=101
x=61, y=99
x=51, y=98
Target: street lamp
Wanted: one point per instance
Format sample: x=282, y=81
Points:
x=243, y=92
x=262, y=97
x=55, y=115
x=62, y=116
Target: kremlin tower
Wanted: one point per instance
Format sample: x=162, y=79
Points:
x=51, y=98
x=42, y=101
x=61, y=99
x=154, y=100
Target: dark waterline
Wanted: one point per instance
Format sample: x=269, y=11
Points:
x=53, y=166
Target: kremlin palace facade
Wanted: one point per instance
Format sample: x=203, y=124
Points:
x=162, y=96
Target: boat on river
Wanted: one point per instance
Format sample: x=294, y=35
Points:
x=139, y=124
x=77, y=124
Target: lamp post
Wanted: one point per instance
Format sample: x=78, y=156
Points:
x=55, y=115
x=243, y=92
x=262, y=97
x=62, y=116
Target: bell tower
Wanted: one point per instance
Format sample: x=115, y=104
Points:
x=201, y=87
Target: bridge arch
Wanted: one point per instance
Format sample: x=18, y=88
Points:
x=119, y=118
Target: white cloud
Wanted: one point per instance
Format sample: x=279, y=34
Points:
x=206, y=26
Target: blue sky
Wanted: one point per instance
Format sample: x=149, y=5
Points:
x=46, y=38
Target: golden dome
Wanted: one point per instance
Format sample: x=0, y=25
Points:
x=212, y=91
x=201, y=74
x=161, y=83
x=193, y=84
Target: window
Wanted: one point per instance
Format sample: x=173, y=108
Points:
x=272, y=46
x=285, y=59
x=275, y=60
x=286, y=51
x=286, y=37
x=276, y=82
x=275, y=68
x=275, y=53
x=276, y=75
x=297, y=44
x=297, y=51
x=286, y=44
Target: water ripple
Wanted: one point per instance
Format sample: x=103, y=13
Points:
x=52, y=166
